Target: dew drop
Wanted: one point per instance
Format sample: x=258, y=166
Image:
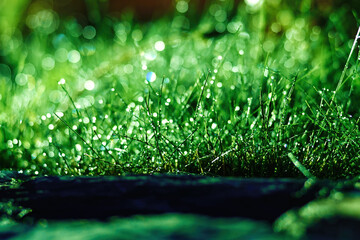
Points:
x=61, y=82
x=150, y=77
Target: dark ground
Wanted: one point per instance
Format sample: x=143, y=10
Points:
x=176, y=207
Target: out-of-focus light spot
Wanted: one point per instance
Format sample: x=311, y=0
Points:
x=144, y=67
x=48, y=63
x=176, y=62
x=89, y=32
x=227, y=66
x=29, y=69
x=89, y=85
x=290, y=63
x=21, y=79
x=61, y=55
x=51, y=127
x=128, y=68
x=213, y=126
x=87, y=50
x=244, y=35
x=150, y=77
x=220, y=15
x=166, y=80
x=220, y=27
x=275, y=27
x=285, y=17
x=74, y=56
x=233, y=27
x=61, y=82
x=241, y=52
x=140, y=99
x=159, y=46
x=269, y=46
x=253, y=3
x=151, y=55
x=137, y=35
x=182, y=6
x=45, y=21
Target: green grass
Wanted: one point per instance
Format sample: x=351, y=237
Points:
x=267, y=93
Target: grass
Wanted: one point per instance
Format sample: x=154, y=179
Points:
x=265, y=93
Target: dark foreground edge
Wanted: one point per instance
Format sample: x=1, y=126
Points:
x=64, y=198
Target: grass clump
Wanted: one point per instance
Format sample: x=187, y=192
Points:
x=231, y=96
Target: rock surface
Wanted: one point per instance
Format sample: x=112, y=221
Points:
x=103, y=197
x=176, y=207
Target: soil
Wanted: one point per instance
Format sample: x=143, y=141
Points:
x=176, y=207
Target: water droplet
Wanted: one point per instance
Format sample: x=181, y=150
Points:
x=266, y=72
x=150, y=76
x=61, y=82
x=78, y=147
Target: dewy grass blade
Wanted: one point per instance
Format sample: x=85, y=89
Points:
x=82, y=139
x=299, y=166
x=357, y=37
